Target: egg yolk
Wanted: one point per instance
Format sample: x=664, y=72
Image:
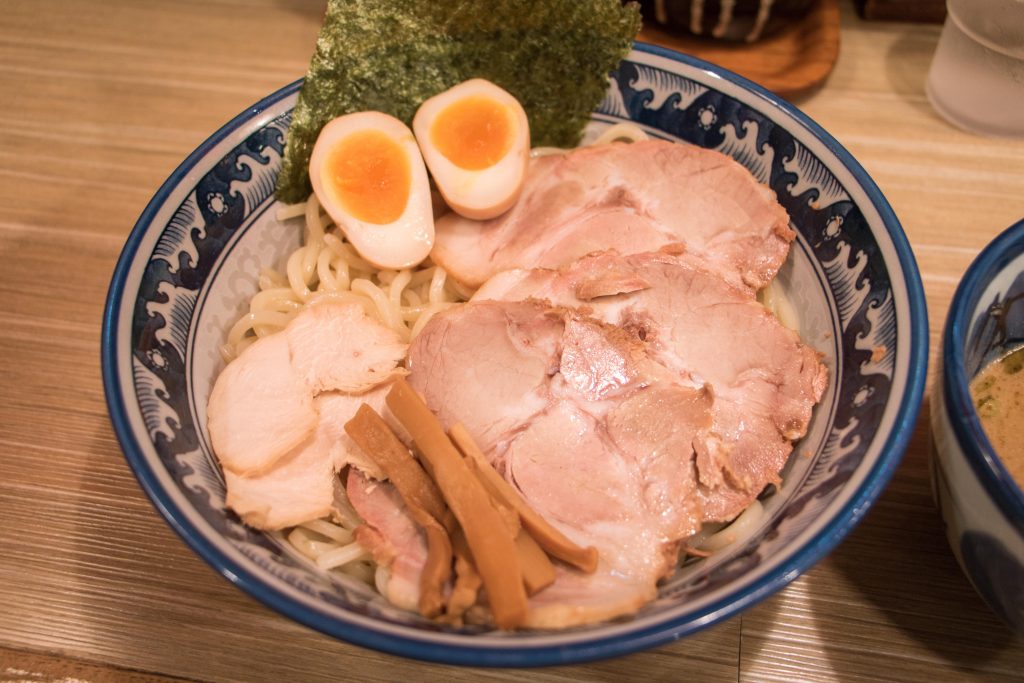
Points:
x=474, y=132
x=371, y=176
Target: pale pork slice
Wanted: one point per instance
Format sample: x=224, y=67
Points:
x=338, y=347
x=634, y=510
x=276, y=412
x=561, y=405
x=391, y=536
x=521, y=346
x=301, y=486
x=631, y=197
x=764, y=379
x=260, y=408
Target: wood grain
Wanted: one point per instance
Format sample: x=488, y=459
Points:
x=103, y=99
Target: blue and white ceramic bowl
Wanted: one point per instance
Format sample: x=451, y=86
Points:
x=981, y=505
x=191, y=262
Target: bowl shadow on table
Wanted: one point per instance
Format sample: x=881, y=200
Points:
x=892, y=597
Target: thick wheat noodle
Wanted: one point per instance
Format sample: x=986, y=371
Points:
x=314, y=224
x=335, y=532
x=337, y=550
x=328, y=268
x=327, y=264
x=738, y=528
x=344, y=296
x=348, y=252
x=266, y=322
x=299, y=276
x=624, y=131
x=258, y=322
x=287, y=211
x=437, y=286
x=463, y=292
x=341, y=267
x=397, y=286
x=339, y=557
x=324, y=273
x=330, y=553
x=775, y=300
x=425, y=317
x=386, y=312
x=411, y=297
x=628, y=132
x=422, y=276
x=414, y=311
x=308, y=545
x=279, y=298
x=270, y=278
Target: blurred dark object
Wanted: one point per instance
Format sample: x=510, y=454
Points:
x=734, y=20
x=791, y=61
x=925, y=11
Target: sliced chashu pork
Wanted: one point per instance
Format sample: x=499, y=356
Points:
x=631, y=197
x=390, y=534
x=276, y=413
x=302, y=485
x=562, y=406
x=764, y=379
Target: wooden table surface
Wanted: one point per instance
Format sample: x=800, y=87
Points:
x=102, y=99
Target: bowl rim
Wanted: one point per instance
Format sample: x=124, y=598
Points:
x=970, y=436
x=845, y=519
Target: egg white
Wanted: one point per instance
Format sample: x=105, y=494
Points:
x=405, y=241
x=484, y=193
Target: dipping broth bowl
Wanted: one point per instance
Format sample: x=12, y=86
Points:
x=981, y=505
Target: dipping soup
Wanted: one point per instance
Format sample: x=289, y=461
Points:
x=998, y=394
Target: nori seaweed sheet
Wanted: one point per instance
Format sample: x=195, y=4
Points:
x=391, y=55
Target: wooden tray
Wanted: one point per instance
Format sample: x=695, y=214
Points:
x=789, y=62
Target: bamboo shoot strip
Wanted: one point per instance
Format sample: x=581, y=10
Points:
x=438, y=567
x=372, y=434
x=549, y=538
x=538, y=572
x=420, y=495
x=493, y=548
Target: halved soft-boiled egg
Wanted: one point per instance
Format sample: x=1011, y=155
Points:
x=368, y=174
x=476, y=141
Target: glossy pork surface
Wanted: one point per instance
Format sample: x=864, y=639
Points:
x=765, y=381
x=565, y=408
x=631, y=197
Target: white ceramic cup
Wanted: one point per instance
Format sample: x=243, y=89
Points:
x=976, y=80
